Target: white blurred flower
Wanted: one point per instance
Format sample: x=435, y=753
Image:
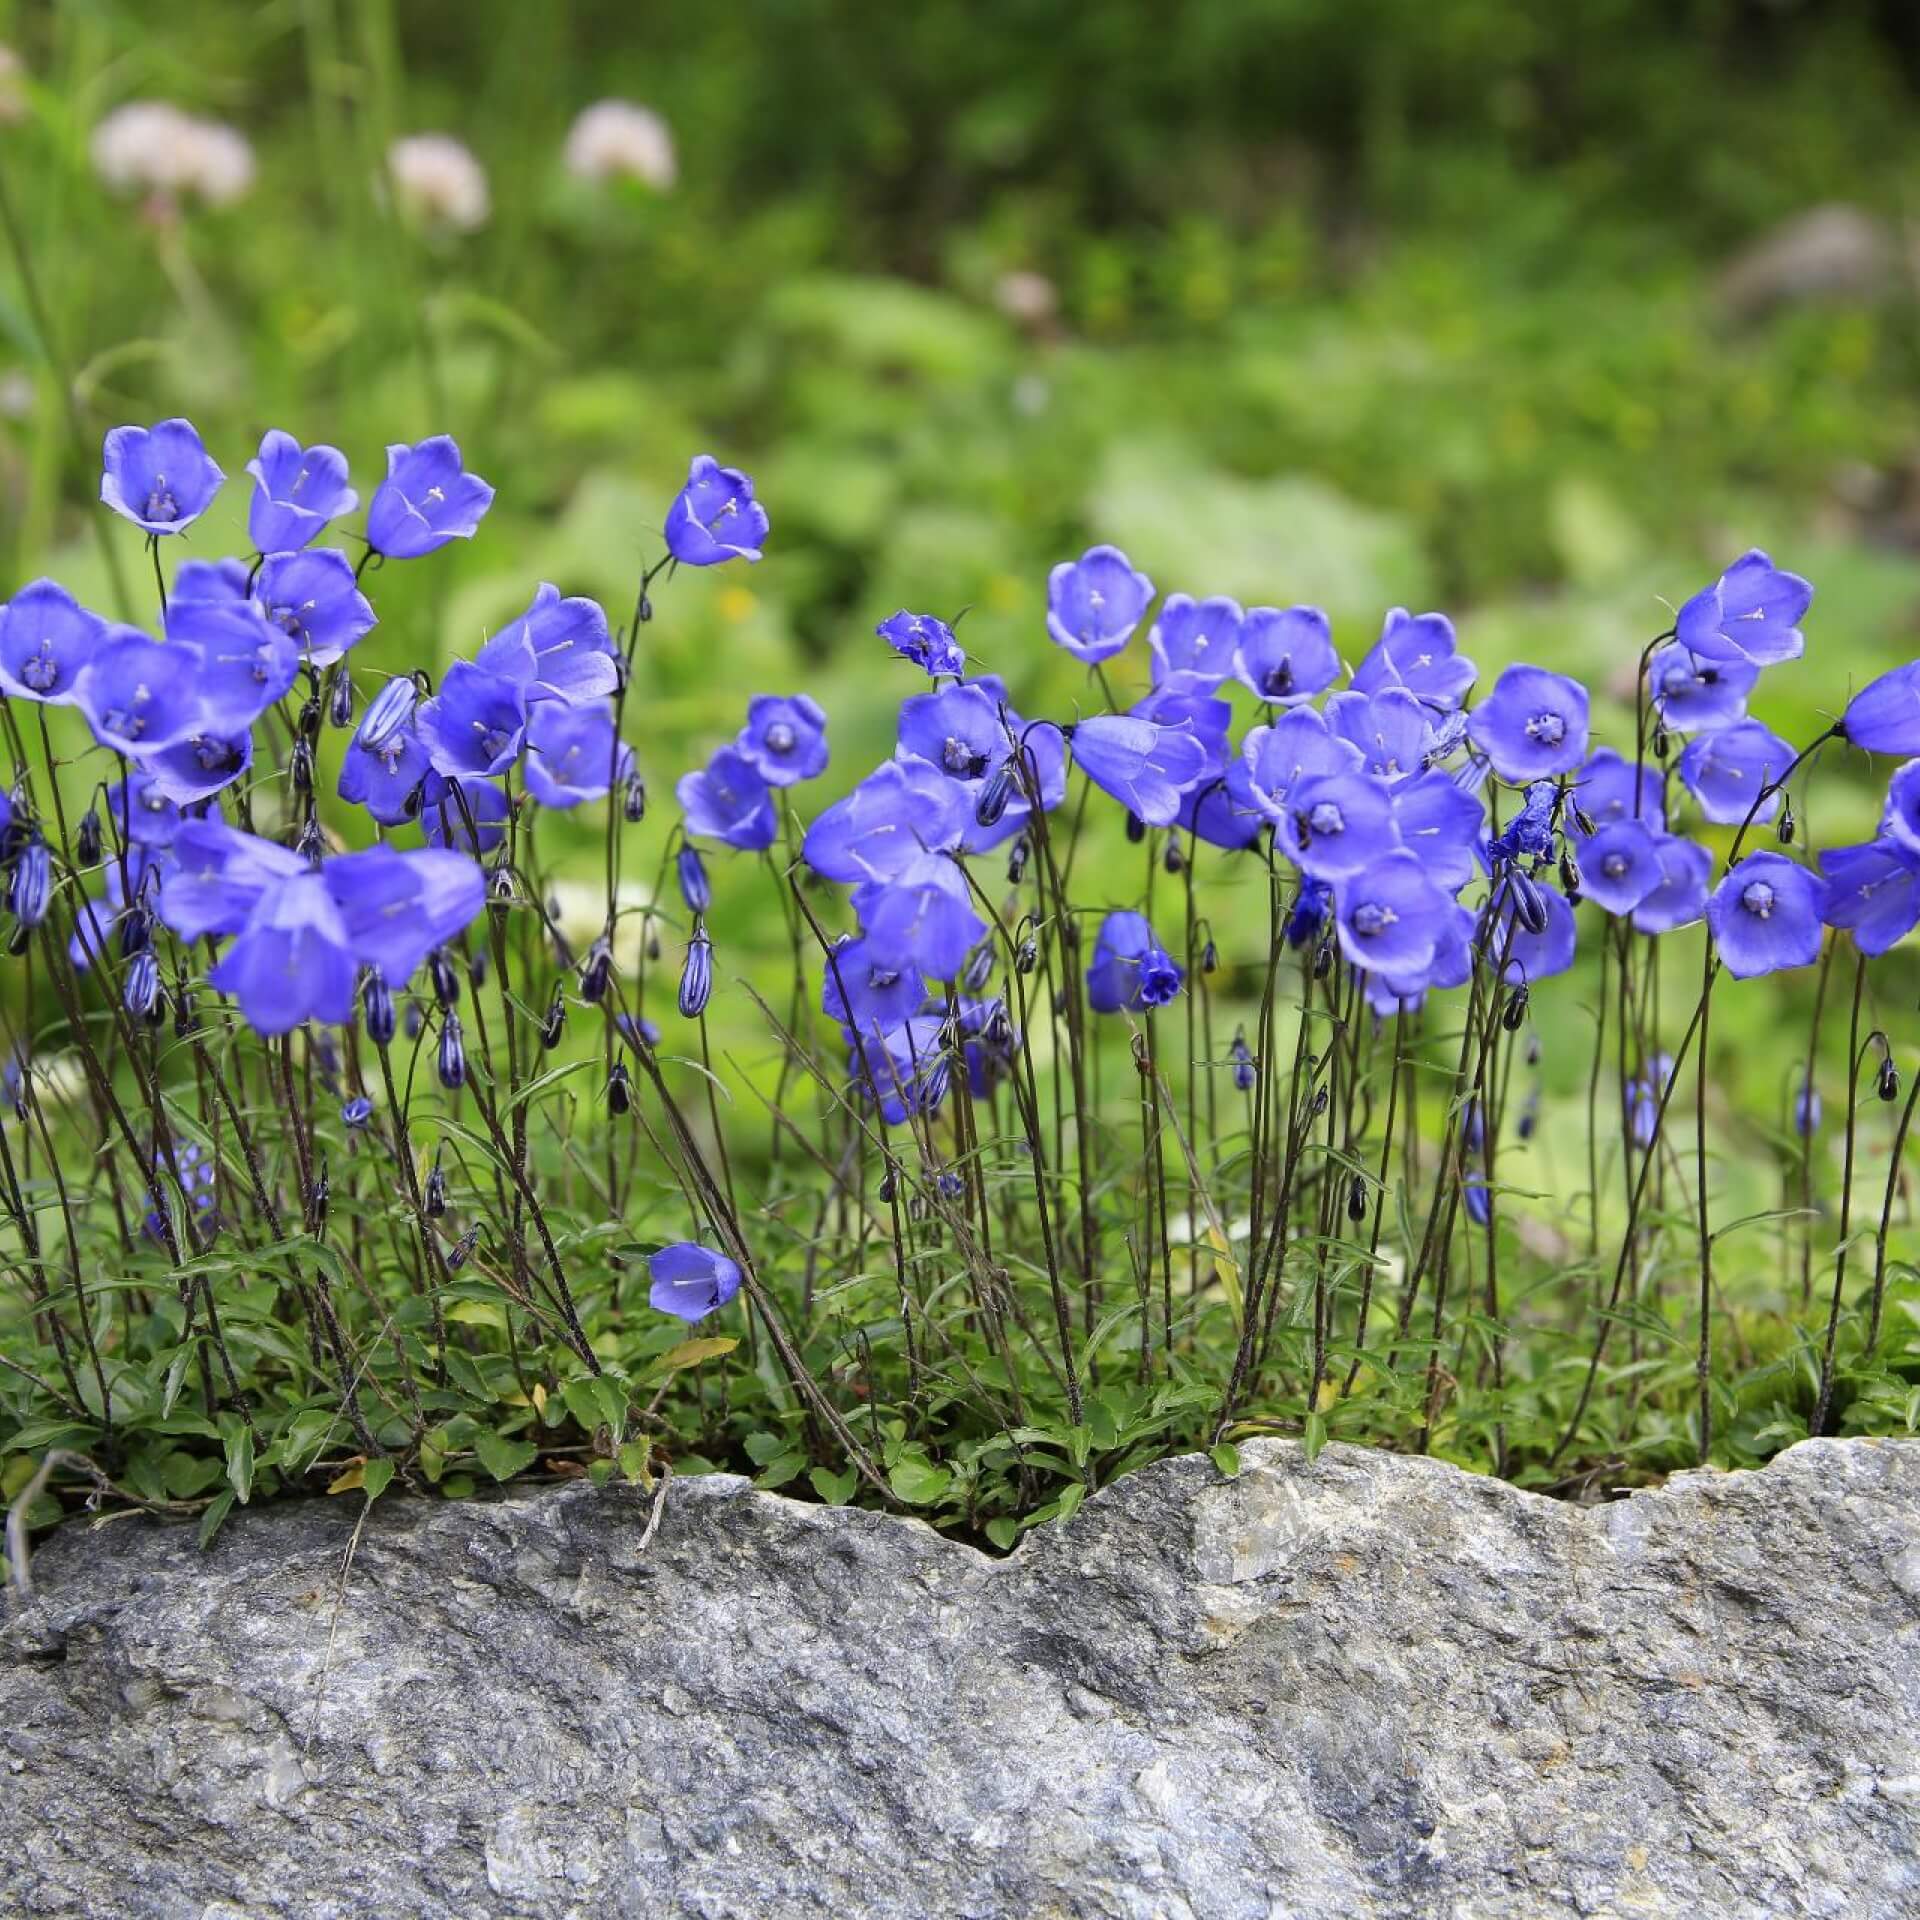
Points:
x=16, y=394
x=1030, y=298
x=61, y=1078
x=437, y=180
x=579, y=909
x=151, y=146
x=13, y=89
x=614, y=139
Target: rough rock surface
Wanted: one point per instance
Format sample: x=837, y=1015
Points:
x=1365, y=1686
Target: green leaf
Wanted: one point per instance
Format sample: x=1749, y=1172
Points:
x=501, y=1457
x=214, y=1515
x=1003, y=1530
x=1316, y=1435
x=633, y=1462
x=239, y=1445
x=762, y=1447
x=583, y=1402
x=690, y=1353
x=376, y=1477
x=786, y=1468
x=918, y=1482
x=836, y=1489
x=1227, y=1459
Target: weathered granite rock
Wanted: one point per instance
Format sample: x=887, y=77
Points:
x=1365, y=1686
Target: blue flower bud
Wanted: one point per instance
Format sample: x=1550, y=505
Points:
x=31, y=888
x=434, y=1202
x=695, y=888
x=1243, y=1063
x=597, y=974
x=340, y=700
x=446, y=983
x=555, y=1024
x=696, y=977
x=376, y=1004
x=140, y=991
x=453, y=1053
x=635, y=805
x=619, y=1088
x=89, y=838
x=391, y=709
x=462, y=1249
x=979, y=968
x=995, y=793
x=1528, y=903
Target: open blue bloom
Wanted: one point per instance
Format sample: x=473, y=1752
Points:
x=1418, y=652
x=1751, y=613
x=1130, y=971
x=210, y=580
x=573, y=754
x=1681, y=897
x=467, y=815
x=785, y=738
x=1140, y=763
x=921, y=917
x=475, y=724
x=1206, y=716
x=905, y=1070
x=867, y=991
x=1620, y=866
x=312, y=598
x=136, y=695
x=729, y=800
x=1094, y=603
x=385, y=778
x=558, y=650
x=1192, y=643
x=399, y=907
x=1695, y=696
x=1728, y=769
x=1285, y=657
x=1441, y=821
x=197, y=767
x=1298, y=745
x=904, y=808
x=714, y=517
x=1901, y=821
x=1872, y=892
x=1765, y=916
x=1392, y=730
x=46, y=639
x=141, y=815
x=968, y=733
x=296, y=491
x=1390, y=917
x=427, y=499
x=291, y=960
x=244, y=663
x=926, y=641
x=161, y=478
x=356, y=1112
x=1884, y=716
x=1532, y=955
x=690, y=1282
x=1335, y=824
x=1606, y=790
x=1533, y=724
x=1224, y=811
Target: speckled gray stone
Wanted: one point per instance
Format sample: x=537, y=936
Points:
x=1365, y=1686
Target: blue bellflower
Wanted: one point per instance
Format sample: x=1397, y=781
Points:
x=314, y=600
x=1392, y=730
x=866, y=991
x=1130, y=970
x=904, y=808
x=1884, y=716
x=1336, y=824
x=1900, y=822
x=161, y=478
x=573, y=754
x=1390, y=917
x=559, y=649
x=1620, y=866
x=296, y=491
x=1681, y=897
x=1695, y=696
x=1752, y=614
x=1146, y=766
x=475, y=724
x=785, y=738
x=690, y=1281
x=926, y=641
x=46, y=640
x=1728, y=769
x=921, y=917
x=427, y=499
x=1765, y=916
x=1192, y=644
x=1533, y=724
x=728, y=800
x=1297, y=746
x=1871, y=892
x=1095, y=603
x=1285, y=657
x=714, y=517
x=1420, y=653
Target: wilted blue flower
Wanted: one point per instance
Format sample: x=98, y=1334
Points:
x=557, y=650
x=475, y=724
x=1765, y=916
x=1900, y=822
x=296, y=491
x=1681, y=897
x=1806, y=1109
x=1620, y=865
x=696, y=975
x=1533, y=724
x=1298, y=745
x=1529, y=834
x=690, y=1282
x=1728, y=769
x=161, y=478
x=1417, y=652
x=1391, y=730
x=312, y=597
x=1285, y=657
x=921, y=917
x=1752, y=613
x=785, y=738
x=427, y=499
x=1094, y=603
x=1439, y=820
x=1192, y=643
x=1390, y=917
x=904, y=808
x=1695, y=696
x=1884, y=716
x=926, y=641
x=863, y=990
x=1144, y=765
x=1872, y=892
x=46, y=640
x=573, y=754
x=1335, y=824
x=729, y=801
x=695, y=888
x=714, y=517
x=1130, y=970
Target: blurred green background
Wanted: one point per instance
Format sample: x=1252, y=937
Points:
x=1537, y=315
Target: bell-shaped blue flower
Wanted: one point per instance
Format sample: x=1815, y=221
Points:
x=1130, y=971
x=728, y=800
x=573, y=753
x=245, y=663
x=1095, y=603
x=904, y=808
x=1441, y=821
x=923, y=917
x=560, y=649
x=1336, y=824
x=139, y=814
x=1532, y=725
x=296, y=491
x=1285, y=657
x=427, y=499
x=690, y=1281
x=1610, y=787
x=1297, y=746
x=210, y=580
x=476, y=724
x=46, y=640
x=1752, y=613
x=1420, y=653
x=867, y=991
x=314, y=600
x=1390, y=917
x=905, y=1070
x=199, y=766
x=1765, y=916
x=290, y=961
x=385, y=779
x=1681, y=897
x=1872, y=892
x=161, y=478
x=714, y=517
x=926, y=641
x=1728, y=769
x=1392, y=730
x=138, y=694
x=1192, y=644
x=397, y=907
x=785, y=738
x=968, y=733
x=1884, y=716
x=1620, y=866
x=1695, y=696
x=1147, y=767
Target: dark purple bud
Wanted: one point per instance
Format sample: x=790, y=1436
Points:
x=416, y=799
x=555, y=1024
x=434, y=1201
x=355, y=1113
x=1244, y=1071
x=31, y=889
x=376, y=1008
x=477, y=964
x=979, y=968
x=1659, y=743
x=446, y=983
x=619, y=1089
x=1515, y=1011
x=597, y=975
x=1209, y=957
x=1888, y=1085
x=500, y=888
x=696, y=977
x=140, y=991
x=1786, y=827
x=1569, y=873
x=1528, y=902
x=635, y=802
x=887, y=1186
x=186, y=1022
x=319, y=1195
x=416, y=1018
x=310, y=723
x=136, y=931
x=1357, y=1197
x=1173, y=859
x=995, y=792
x=311, y=844
x=1323, y=960
x=300, y=767
x=653, y=945
x=1584, y=820
x=646, y=609
x=20, y=939
x=453, y=1053
x=1320, y=1103
x=340, y=701
x=1136, y=828
x=88, y=840
x=462, y=1249
x=695, y=888
x=1026, y=956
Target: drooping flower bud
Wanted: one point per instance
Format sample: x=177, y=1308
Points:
x=695, y=888
x=376, y=1007
x=696, y=976
x=434, y=1201
x=453, y=1053
x=1888, y=1084
x=555, y=1024
x=88, y=839
x=1529, y=904
x=995, y=793
x=340, y=701
x=1244, y=1070
x=1515, y=1011
x=140, y=991
x=1357, y=1197
x=597, y=974
x=446, y=983
x=635, y=802
x=619, y=1089
x=30, y=891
